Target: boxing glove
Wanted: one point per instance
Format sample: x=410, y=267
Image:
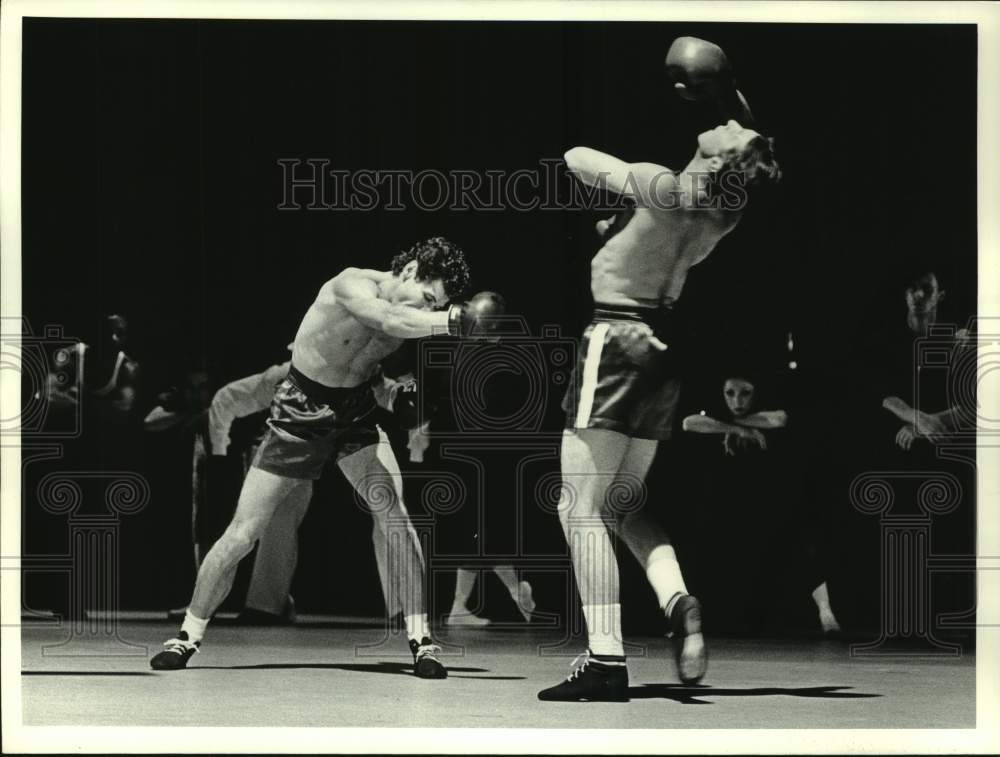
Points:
x=699, y=69
x=479, y=317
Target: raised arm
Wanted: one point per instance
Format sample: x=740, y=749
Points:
x=646, y=183
x=701, y=71
x=732, y=104
x=357, y=291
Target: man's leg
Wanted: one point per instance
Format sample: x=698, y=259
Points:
x=393, y=607
x=642, y=534
x=651, y=546
x=404, y=560
x=262, y=493
x=276, y=558
x=590, y=458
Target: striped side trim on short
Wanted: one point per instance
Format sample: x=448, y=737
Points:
x=590, y=366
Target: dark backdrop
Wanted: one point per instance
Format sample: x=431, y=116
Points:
x=151, y=186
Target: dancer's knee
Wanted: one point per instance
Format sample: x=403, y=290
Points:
x=239, y=538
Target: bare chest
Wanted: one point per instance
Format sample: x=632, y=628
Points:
x=336, y=349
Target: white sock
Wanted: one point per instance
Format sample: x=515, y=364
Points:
x=604, y=629
x=417, y=627
x=664, y=574
x=194, y=626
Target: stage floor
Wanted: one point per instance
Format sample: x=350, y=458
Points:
x=338, y=674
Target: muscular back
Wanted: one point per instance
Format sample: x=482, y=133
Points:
x=334, y=348
x=646, y=263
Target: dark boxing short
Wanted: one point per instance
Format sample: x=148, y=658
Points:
x=310, y=423
x=621, y=382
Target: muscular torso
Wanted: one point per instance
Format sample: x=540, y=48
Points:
x=646, y=263
x=333, y=348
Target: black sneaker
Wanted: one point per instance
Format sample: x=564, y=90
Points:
x=689, y=645
x=177, y=653
x=425, y=664
x=591, y=681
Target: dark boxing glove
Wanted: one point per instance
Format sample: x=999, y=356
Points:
x=479, y=317
x=699, y=69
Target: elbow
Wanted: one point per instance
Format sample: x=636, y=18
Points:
x=780, y=419
x=219, y=400
x=688, y=423
x=572, y=158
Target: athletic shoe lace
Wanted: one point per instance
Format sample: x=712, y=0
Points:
x=579, y=665
x=427, y=649
x=179, y=646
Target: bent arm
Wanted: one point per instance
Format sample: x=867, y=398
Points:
x=764, y=419
x=239, y=399
x=944, y=422
x=899, y=408
x=703, y=424
x=948, y=418
x=644, y=182
x=926, y=424
x=357, y=292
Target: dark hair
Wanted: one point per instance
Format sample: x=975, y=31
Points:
x=746, y=376
x=745, y=366
x=746, y=170
x=437, y=258
x=916, y=276
x=756, y=162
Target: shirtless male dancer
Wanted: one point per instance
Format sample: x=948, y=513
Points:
x=624, y=394
x=325, y=407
